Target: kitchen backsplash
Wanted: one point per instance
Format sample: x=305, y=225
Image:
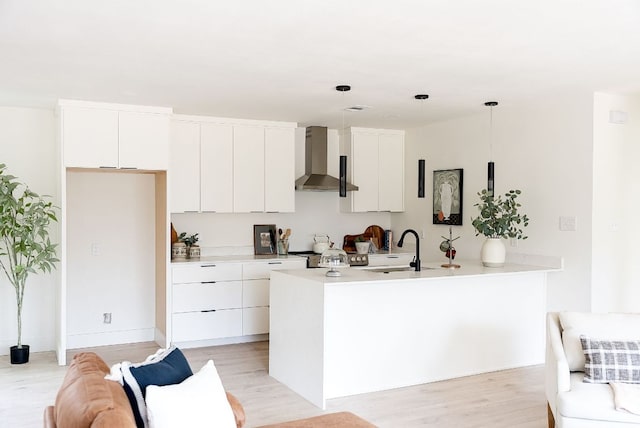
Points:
x=316, y=213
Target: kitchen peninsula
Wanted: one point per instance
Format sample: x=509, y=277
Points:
x=368, y=331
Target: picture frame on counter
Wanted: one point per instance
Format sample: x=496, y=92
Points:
x=264, y=239
x=447, y=196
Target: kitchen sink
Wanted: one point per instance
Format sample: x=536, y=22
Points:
x=389, y=269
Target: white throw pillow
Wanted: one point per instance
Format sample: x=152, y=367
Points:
x=198, y=401
x=611, y=326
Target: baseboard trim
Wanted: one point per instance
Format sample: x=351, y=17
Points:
x=222, y=341
x=90, y=340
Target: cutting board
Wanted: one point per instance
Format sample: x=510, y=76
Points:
x=375, y=233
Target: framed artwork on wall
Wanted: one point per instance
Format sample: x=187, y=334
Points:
x=264, y=239
x=447, y=196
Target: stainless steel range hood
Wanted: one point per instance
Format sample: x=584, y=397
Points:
x=315, y=164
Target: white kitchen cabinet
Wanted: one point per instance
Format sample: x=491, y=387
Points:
x=279, y=164
x=216, y=167
x=248, y=169
x=244, y=166
x=184, y=167
x=376, y=158
x=201, y=167
x=100, y=135
x=143, y=140
x=255, y=292
x=365, y=173
x=90, y=137
x=391, y=172
x=206, y=301
x=194, y=326
x=211, y=301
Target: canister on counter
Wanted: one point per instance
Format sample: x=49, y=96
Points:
x=388, y=240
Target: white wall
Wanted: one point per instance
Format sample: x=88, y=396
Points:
x=27, y=147
x=316, y=212
x=110, y=257
x=616, y=231
x=544, y=149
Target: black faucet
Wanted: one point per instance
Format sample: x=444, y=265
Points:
x=416, y=260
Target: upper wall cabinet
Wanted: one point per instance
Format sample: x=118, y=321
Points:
x=235, y=165
x=279, y=170
x=184, y=166
x=100, y=135
x=376, y=166
x=248, y=169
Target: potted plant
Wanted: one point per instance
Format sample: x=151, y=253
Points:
x=362, y=245
x=193, y=250
x=25, y=246
x=499, y=219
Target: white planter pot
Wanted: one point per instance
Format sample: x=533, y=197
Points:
x=493, y=252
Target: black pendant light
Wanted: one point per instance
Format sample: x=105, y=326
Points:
x=343, y=159
x=491, y=169
x=421, y=162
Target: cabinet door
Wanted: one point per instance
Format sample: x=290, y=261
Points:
x=144, y=140
x=188, y=326
x=206, y=272
x=184, y=167
x=255, y=321
x=207, y=296
x=90, y=138
x=279, y=176
x=364, y=157
x=248, y=169
x=255, y=292
x=216, y=166
x=391, y=172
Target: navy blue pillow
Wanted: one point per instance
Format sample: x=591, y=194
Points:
x=166, y=368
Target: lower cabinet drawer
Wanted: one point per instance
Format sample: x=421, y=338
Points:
x=255, y=292
x=255, y=321
x=204, y=296
x=190, y=326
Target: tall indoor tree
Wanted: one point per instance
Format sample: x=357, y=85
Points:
x=25, y=246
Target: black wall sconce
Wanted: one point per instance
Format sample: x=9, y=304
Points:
x=421, y=178
x=343, y=176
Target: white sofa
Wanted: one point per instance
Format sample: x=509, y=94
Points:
x=572, y=402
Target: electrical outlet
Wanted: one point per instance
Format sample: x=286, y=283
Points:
x=106, y=318
x=513, y=242
x=568, y=224
x=95, y=249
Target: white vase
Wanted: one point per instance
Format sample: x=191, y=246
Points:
x=493, y=252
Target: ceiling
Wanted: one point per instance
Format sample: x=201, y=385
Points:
x=281, y=59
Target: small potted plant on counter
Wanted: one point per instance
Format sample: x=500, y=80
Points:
x=362, y=245
x=499, y=219
x=25, y=247
x=193, y=250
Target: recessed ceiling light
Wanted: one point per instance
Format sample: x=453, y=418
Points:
x=357, y=108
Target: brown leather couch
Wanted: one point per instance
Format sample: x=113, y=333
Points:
x=87, y=399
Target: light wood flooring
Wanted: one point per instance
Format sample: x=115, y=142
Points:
x=509, y=398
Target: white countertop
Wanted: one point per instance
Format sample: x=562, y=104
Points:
x=240, y=258
x=233, y=259
x=432, y=270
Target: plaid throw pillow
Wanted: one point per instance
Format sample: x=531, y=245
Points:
x=611, y=360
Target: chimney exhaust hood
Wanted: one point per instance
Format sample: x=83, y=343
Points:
x=315, y=163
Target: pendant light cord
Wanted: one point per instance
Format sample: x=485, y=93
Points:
x=491, y=105
x=491, y=134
